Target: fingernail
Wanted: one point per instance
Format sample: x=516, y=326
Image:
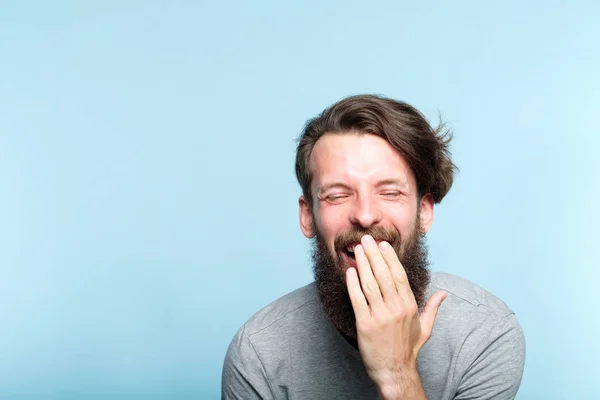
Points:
x=384, y=245
x=358, y=248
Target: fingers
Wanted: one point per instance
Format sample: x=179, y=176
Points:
x=359, y=302
x=370, y=286
x=379, y=266
x=397, y=272
x=430, y=312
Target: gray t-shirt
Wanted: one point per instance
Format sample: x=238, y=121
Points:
x=290, y=350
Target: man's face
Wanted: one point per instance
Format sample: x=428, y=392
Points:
x=362, y=185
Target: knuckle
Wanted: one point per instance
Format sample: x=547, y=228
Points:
x=401, y=315
x=412, y=310
x=372, y=287
x=388, y=321
x=384, y=319
x=387, y=281
x=400, y=282
x=398, y=316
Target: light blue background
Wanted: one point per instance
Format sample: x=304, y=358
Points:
x=148, y=204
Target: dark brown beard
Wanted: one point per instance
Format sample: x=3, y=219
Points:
x=331, y=280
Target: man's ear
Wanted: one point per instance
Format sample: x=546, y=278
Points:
x=426, y=213
x=306, y=219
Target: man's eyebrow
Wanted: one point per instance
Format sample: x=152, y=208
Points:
x=387, y=182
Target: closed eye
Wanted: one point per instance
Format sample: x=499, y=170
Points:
x=336, y=198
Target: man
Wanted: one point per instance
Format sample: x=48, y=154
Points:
x=375, y=323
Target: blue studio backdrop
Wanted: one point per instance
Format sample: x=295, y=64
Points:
x=148, y=203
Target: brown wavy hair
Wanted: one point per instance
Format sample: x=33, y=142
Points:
x=426, y=149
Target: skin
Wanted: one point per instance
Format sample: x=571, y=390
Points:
x=362, y=181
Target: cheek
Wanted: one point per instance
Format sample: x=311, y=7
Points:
x=404, y=221
x=330, y=222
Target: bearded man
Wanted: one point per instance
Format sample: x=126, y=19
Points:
x=375, y=323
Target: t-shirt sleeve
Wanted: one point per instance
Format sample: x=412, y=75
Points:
x=244, y=376
x=496, y=364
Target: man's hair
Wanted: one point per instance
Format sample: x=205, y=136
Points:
x=424, y=148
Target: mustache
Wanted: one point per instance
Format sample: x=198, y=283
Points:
x=345, y=239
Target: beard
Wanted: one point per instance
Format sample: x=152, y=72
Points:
x=329, y=271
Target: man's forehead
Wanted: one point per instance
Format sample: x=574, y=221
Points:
x=339, y=158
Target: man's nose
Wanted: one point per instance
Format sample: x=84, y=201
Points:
x=365, y=213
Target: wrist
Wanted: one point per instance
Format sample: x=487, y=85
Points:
x=389, y=392
x=404, y=384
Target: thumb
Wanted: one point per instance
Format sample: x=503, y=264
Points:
x=430, y=312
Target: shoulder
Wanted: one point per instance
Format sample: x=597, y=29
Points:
x=255, y=351
x=284, y=310
x=486, y=340
x=475, y=322
x=471, y=318
x=281, y=322
x=466, y=295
